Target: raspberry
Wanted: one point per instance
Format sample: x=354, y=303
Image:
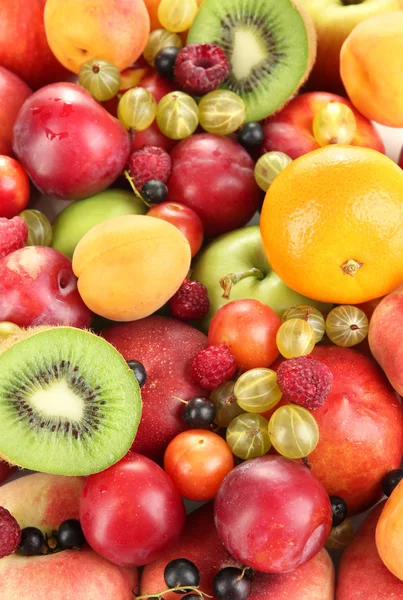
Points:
x=201, y=68
x=213, y=366
x=13, y=235
x=10, y=533
x=150, y=162
x=305, y=381
x=190, y=301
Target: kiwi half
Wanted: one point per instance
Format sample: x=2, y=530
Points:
x=270, y=45
x=69, y=403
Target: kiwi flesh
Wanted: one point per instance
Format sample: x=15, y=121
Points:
x=270, y=45
x=69, y=403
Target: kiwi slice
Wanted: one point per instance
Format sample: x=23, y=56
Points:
x=270, y=45
x=69, y=403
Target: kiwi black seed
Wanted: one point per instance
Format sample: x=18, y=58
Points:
x=69, y=404
x=270, y=46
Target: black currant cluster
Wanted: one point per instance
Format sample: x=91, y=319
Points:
x=69, y=536
x=183, y=577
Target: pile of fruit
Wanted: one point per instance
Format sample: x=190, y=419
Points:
x=201, y=300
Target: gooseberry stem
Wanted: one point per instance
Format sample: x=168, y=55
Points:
x=306, y=462
x=135, y=190
x=233, y=278
x=178, y=588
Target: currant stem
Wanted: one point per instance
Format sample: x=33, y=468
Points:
x=178, y=588
x=233, y=278
x=180, y=399
x=135, y=190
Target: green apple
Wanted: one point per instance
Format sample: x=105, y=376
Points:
x=81, y=216
x=334, y=20
x=234, y=267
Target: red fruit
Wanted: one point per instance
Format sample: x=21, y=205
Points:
x=214, y=176
x=131, y=513
x=184, y=218
x=150, y=162
x=190, y=301
x=38, y=287
x=201, y=68
x=69, y=145
x=5, y=471
x=10, y=533
x=13, y=93
x=14, y=187
x=213, y=366
x=305, y=381
x=13, y=235
x=401, y=158
x=158, y=86
x=152, y=136
x=249, y=329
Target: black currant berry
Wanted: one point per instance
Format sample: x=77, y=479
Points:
x=391, y=480
x=165, y=61
x=139, y=371
x=181, y=572
x=32, y=542
x=339, y=510
x=232, y=584
x=154, y=191
x=251, y=135
x=199, y=412
x=70, y=535
x=191, y=597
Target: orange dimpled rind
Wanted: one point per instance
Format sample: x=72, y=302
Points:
x=389, y=533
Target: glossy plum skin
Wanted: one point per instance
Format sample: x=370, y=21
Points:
x=272, y=514
x=131, y=513
x=14, y=187
x=214, y=176
x=13, y=93
x=69, y=145
x=38, y=287
x=185, y=219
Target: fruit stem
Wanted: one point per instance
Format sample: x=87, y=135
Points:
x=350, y=2
x=351, y=266
x=233, y=278
x=135, y=190
x=180, y=399
x=306, y=462
x=178, y=588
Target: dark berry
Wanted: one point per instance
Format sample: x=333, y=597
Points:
x=251, y=135
x=391, y=480
x=199, y=412
x=201, y=68
x=232, y=584
x=32, y=541
x=191, y=597
x=165, y=61
x=70, y=535
x=339, y=510
x=154, y=191
x=181, y=573
x=139, y=371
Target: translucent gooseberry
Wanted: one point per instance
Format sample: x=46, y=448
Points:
x=248, y=436
x=100, y=78
x=295, y=337
x=158, y=40
x=177, y=15
x=346, y=326
x=221, y=112
x=293, y=431
x=334, y=124
x=257, y=391
x=177, y=115
x=8, y=329
x=269, y=166
x=137, y=109
x=39, y=228
x=226, y=405
x=310, y=314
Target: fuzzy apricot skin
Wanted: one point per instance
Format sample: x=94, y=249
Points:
x=129, y=267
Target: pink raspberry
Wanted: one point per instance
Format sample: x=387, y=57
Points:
x=201, y=68
x=13, y=235
x=150, y=162
x=190, y=301
x=10, y=533
x=213, y=366
x=305, y=381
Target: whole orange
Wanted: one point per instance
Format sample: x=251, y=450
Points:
x=332, y=224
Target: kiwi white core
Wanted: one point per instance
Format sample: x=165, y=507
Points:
x=58, y=401
x=248, y=52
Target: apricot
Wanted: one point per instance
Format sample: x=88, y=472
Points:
x=128, y=267
x=371, y=66
x=389, y=533
x=81, y=30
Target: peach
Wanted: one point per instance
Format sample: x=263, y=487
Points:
x=128, y=267
x=362, y=574
x=389, y=533
x=371, y=65
x=81, y=30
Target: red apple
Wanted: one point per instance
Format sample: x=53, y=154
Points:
x=152, y=136
x=214, y=176
x=200, y=544
x=362, y=574
x=13, y=93
x=184, y=218
x=157, y=85
x=38, y=287
x=14, y=187
x=166, y=348
x=360, y=429
x=290, y=130
x=69, y=145
x=23, y=45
